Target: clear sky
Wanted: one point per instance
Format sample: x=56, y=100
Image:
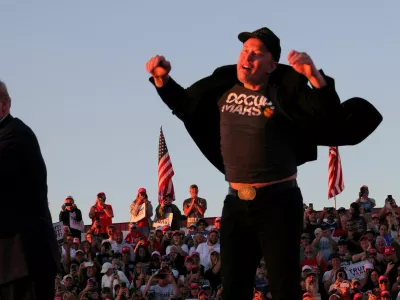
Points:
x=76, y=74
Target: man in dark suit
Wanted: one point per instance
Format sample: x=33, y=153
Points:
x=256, y=122
x=29, y=254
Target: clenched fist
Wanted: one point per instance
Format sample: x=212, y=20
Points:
x=159, y=68
x=303, y=64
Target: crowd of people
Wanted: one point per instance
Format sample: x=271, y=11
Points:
x=156, y=259
x=345, y=253
x=351, y=253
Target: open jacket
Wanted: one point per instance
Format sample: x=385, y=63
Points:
x=319, y=117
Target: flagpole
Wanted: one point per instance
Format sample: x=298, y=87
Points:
x=334, y=198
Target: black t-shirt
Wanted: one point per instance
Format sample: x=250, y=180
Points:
x=256, y=139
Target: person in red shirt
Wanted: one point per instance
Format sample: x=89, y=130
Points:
x=102, y=213
x=134, y=236
x=315, y=262
x=155, y=241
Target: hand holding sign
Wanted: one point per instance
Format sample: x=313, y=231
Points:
x=167, y=220
x=141, y=214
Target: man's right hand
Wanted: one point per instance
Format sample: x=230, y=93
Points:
x=159, y=68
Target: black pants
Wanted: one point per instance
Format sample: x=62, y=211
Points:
x=269, y=226
x=29, y=288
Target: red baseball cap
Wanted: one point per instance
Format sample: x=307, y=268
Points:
x=126, y=249
x=142, y=190
x=194, y=286
x=389, y=250
x=382, y=278
x=215, y=230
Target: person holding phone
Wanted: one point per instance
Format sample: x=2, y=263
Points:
x=123, y=292
x=365, y=201
x=102, y=213
x=336, y=287
x=165, y=286
x=68, y=210
x=143, y=221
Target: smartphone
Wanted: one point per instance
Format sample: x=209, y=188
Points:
x=310, y=205
x=123, y=284
x=345, y=285
x=88, y=264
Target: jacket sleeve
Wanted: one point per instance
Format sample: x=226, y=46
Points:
x=149, y=208
x=185, y=101
x=308, y=106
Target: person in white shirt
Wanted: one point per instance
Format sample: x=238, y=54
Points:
x=112, y=277
x=165, y=288
x=206, y=248
x=178, y=242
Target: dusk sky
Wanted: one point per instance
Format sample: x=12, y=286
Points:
x=76, y=73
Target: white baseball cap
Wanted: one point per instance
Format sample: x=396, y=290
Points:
x=106, y=266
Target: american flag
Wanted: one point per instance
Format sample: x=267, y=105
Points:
x=335, y=174
x=165, y=170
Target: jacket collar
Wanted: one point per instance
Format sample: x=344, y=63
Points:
x=6, y=120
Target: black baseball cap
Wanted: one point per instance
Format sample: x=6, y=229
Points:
x=269, y=39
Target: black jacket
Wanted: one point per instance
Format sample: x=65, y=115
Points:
x=176, y=215
x=64, y=217
x=318, y=115
x=25, y=222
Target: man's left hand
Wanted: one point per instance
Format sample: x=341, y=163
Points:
x=302, y=63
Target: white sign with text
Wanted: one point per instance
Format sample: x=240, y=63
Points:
x=167, y=220
x=140, y=215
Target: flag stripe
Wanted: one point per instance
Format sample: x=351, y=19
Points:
x=165, y=169
x=335, y=173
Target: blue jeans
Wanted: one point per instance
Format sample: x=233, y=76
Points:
x=269, y=226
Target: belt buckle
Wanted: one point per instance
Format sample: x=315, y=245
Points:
x=247, y=193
